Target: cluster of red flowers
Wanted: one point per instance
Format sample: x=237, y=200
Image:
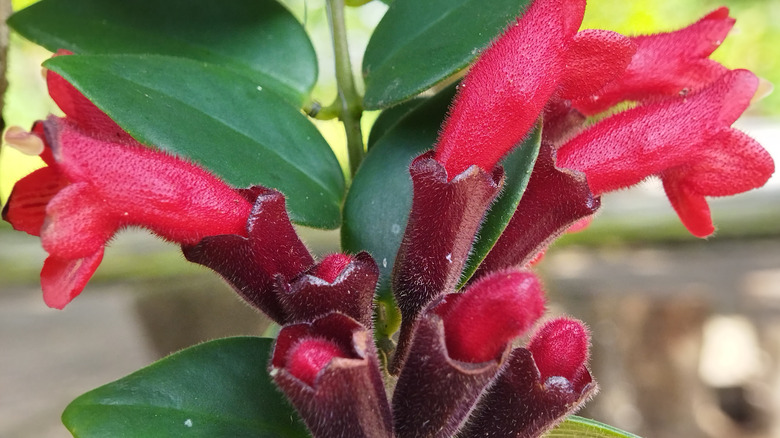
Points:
x=457, y=370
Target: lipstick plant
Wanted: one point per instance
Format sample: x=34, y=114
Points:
x=192, y=120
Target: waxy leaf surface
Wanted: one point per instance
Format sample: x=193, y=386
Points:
x=260, y=37
x=216, y=389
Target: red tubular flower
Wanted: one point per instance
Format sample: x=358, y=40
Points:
x=667, y=64
x=330, y=372
x=687, y=142
x=98, y=180
x=508, y=87
x=91, y=188
x=490, y=314
x=538, y=386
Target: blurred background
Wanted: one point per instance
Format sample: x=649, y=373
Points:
x=686, y=332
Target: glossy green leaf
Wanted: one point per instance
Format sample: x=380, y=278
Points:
x=390, y=117
x=578, y=427
x=217, y=389
x=378, y=203
x=260, y=37
x=419, y=43
x=220, y=119
x=517, y=166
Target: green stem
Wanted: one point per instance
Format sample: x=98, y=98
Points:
x=351, y=107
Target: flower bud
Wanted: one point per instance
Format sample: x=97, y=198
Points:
x=435, y=393
x=309, y=357
x=329, y=371
x=491, y=313
x=560, y=348
x=530, y=396
x=457, y=349
x=331, y=267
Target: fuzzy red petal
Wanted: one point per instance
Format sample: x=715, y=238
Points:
x=731, y=163
x=491, y=313
x=308, y=357
x=691, y=207
x=135, y=185
x=506, y=90
x=76, y=225
x=26, y=207
x=667, y=64
x=622, y=150
x=560, y=348
x=64, y=279
x=594, y=58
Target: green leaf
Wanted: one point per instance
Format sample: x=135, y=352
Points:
x=217, y=389
x=578, y=427
x=420, y=43
x=390, y=117
x=220, y=119
x=260, y=37
x=517, y=167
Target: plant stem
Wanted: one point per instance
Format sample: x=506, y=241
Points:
x=350, y=101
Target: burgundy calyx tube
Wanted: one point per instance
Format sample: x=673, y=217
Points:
x=349, y=291
x=554, y=200
x=255, y=265
x=329, y=371
x=445, y=216
x=457, y=349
